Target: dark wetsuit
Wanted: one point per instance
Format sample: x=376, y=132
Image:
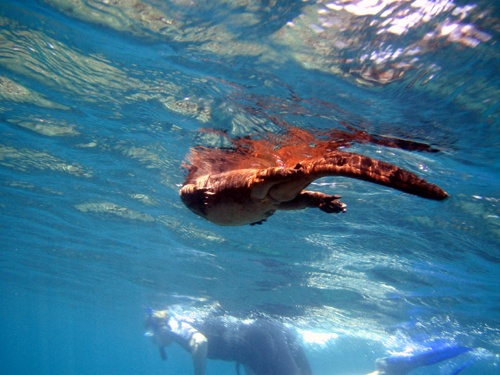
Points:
x=266, y=347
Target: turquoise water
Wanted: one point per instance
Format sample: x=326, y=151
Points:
x=101, y=102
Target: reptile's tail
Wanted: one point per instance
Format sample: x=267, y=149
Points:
x=365, y=168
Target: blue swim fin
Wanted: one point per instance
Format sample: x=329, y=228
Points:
x=403, y=363
x=462, y=367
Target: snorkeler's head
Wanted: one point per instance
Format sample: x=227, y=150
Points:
x=157, y=327
x=156, y=316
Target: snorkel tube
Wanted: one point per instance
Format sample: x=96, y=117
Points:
x=163, y=353
x=153, y=331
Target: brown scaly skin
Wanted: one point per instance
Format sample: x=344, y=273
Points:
x=250, y=195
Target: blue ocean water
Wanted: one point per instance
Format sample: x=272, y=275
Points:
x=101, y=102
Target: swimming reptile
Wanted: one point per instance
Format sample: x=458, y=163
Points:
x=249, y=183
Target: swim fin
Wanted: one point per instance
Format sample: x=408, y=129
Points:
x=403, y=363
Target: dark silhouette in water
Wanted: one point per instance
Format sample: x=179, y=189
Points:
x=262, y=346
x=267, y=347
x=247, y=183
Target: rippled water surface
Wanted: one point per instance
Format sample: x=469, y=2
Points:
x=101, y=101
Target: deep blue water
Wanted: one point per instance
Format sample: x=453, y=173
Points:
x=102, y=100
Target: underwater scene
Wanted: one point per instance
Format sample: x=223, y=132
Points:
x=255, y=187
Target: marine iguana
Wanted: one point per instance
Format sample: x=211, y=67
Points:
x=249, y=182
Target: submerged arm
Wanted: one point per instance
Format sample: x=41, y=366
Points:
x=198, y=346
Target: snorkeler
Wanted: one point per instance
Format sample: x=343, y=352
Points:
x=262, y=346
x=267, y=347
